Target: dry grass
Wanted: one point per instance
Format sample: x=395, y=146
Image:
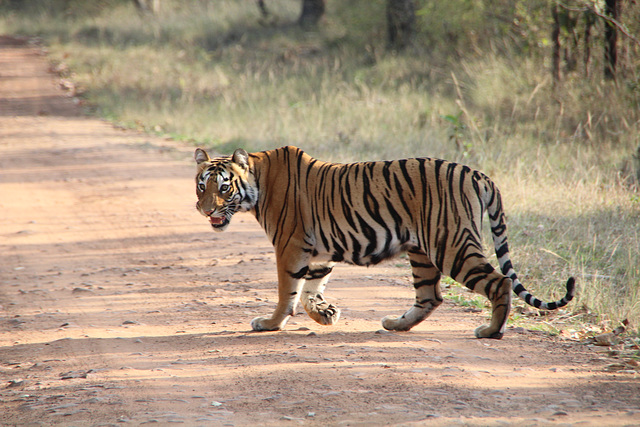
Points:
x=211, y=73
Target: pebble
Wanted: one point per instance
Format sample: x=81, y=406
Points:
x=15, y=383
x=74, y=374
x=571, y=403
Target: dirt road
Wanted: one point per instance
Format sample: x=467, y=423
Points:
x=119, y=305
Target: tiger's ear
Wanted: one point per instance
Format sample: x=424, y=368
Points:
x=241, y=157
x=201, y=156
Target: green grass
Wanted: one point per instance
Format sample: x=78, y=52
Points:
x=473, y=89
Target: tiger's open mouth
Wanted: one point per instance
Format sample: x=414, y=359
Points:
x=218, y=221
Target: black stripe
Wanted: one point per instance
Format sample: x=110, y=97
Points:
x=386, y=174
x=405, y=173
x=427, y=282
x=519, y=288
x=400, y=194
x=506, y=267
x=318, y=273
x=397, y=219
x=488, y=286
x=355, y=252
x=417, y=264
x=502, y=250
x=300, y=273
x=370, y=235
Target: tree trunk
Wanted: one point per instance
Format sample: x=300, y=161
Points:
x=589, y=20
x=147, y=6
x=572, y=42
x=312, y=11
x=611, y=10
x=264, y=12
x=401, y=21
x=555, y=39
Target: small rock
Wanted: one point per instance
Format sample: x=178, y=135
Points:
x=16, y=322
x=15, y=383
x=432, y=416
x=288, y=418
x=74, y=374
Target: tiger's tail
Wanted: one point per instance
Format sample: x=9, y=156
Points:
x=493, y=202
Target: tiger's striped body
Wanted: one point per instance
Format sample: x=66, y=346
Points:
x=317, y=214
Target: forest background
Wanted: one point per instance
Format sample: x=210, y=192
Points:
x=542, y=95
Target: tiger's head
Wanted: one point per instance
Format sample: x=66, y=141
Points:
x=224, y=186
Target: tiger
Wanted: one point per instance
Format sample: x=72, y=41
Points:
x=318, y=213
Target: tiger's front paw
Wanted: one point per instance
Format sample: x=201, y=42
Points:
x=325, y=314
x=321, y=311
x=261, y=324
x=485, y=331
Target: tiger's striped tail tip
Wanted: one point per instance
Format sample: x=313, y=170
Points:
x=571, y=288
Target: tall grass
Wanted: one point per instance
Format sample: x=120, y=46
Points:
x=214, y=73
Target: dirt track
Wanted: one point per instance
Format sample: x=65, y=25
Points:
x=118, y=304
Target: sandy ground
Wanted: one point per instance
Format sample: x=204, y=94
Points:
x=119, y=305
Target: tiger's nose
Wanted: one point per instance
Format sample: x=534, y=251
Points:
x=208, y=213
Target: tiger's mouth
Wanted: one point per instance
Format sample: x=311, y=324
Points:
x=218, y=222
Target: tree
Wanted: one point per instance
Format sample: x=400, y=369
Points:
x=555, y=39
x=312, y=11
x=401, y=22
x=264, y=12
x=147, y=6
x=589, y=22
x=611, y=10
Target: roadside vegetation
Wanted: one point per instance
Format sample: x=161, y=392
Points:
x=475, y=86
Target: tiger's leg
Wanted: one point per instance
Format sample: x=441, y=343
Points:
x=482, y=278
x=312, y=295
x=426, y=281
x=291, y=274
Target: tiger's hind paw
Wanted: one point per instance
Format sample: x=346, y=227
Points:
x=395, y=323
x=485, y=331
